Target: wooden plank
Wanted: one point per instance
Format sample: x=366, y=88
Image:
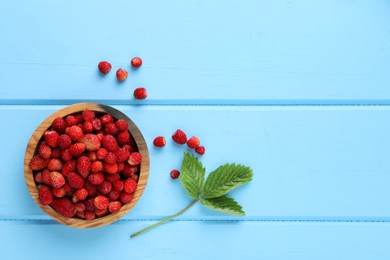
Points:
x=197, y=53
x=199, y=240
x=309, y=163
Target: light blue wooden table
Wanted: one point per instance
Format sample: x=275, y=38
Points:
x=298, y=90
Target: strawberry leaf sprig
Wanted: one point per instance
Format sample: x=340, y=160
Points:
x=212, y=192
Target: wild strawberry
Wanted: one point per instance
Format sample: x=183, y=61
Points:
x=121, y=166
x=121, y=74
x=101, y=153
x=38, y=163
x=57, y=179
x=89, y=215
x=83, y=166
x=105, y=187
x=64, y=141
x=111, y=129
x=110, y=168
x=80, y=207
x=106, y=119
x=121, y=124
x=118, y=185
x=68, y=189
x=87, y=127
x=128, y=148
x=64, y=206
x=51, y=138
x=179, y=137
x=101, y=202
x=90, y=205
x=91, y=141
x=126, y=197
x=121, y=155
x=92, y=189
x=110, y=158
x=159, y=141
x=75, y=180
x=130, y=185
x=59, y=192
x=136, y=62
x=45, y=196
x=66, y=156
x=46, y=179
x=38, y=177
x=54, y=164
x=101, y=212
x=114, y=195
x=123, y=137
x=70, y=121
x=109, y=142
x=140, y=93
x=88, y=115
x=92, y=156
x=129, y=170
x=55, y=153
x=96, y=124
x=79, y=118
x=200, y=150
x=77, y=149
x=96, y=166
x=135, y=158
x=96, y=178
x=81, y=194
x=68, y=167
x=193, y=142
x=74, y=132
x=175, y=174
x=104, y=67
x=114, y=206
x=44, y=150
x=59, y=125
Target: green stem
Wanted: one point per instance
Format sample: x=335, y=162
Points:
x=165, y=220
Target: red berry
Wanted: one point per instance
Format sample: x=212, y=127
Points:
x=135, y=158
x=46, y=179
x=110, y=168
x=118, y=185
x=64, y=141
x=75, y=180
x=179, y=137
x=55, y=153
x=77, y=149
x=75, y=132
x=193, y=142
x=121, y=155
x=45, y=195
x=105, y=187
x=57, y=179
x=91, y=141
x=200, y=150
x=83, y=166
x=64, y=206
x=104, y=67
x=87, y=127
x=54, y=164
x=101, y=202
x=113, y=177
x=59, y=125
x=114, y=206
x=97, y=166
x=130, y=185
x=79, y=206
x=121, y=74
x=59, y=192
x=38, y=163
x=136, y=62
x=109, y=142
x=44, y=150
x=114, y=195
x=122, y=125
x=159, y=141
x=96, y=124
x=38, y=177
x=81, y=194
x=51, y=138
x=70, y=121
x=123, y=137
x=92, y=189
x=129, y=170
x=89, y=215
x=175, y=174
x=140, y=93
x=66, y=156
x=96, y=178
x=106, y=119
x=92, y=156
x=101, y=153
x=126, y=197
x=68, y=167
x=88, y=115
x=111, y=129
x=110, y=158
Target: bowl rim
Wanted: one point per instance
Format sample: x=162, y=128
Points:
x=143, y=174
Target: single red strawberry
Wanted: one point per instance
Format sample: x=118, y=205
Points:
x=96, y=178
x=126, y=197
x=121, y=74
x=110, y=168
x=45, y=195
x=68, y=167
x=193, y=142
x=123, y=137
x=114, y=195
x=92, y=156
x=200, y=150
x=91, y=141
x=59, y=192
x=135, y=158
x=80, y=207
x=109, y=142
x=106, y=119
x=44, y=150
x=89, y=215
x=113, y=177
x=159, y=141
x=101, y=202
x=55, y=165
x=179, y=137
x=114, y=206
x=130, y=185
x=140, y=93
x=46, y=179
x=92, y=189
x=38, y=163
x=96, y=124
x=101, y=153
x=104, y=67
x=121, y=124
x=59, y=125
x=136, y=62
x=111, y=129
x=77, y=149
x=175, y=174
x=64, y=141
x=88, y=115
x=118, y=185
x=129, y=170
x=66, y=156
x=87, y=127
x=70, y=121
x=64, y=206
x=105, y=187
x=38, y=177
x=55, y=153
x=57, y=179
x=75, y=180
x=121, y=155
x=75, y=132
x=51, y=138
x=96, y=166
x=81, y=194
x=110, y=158
x=83, y=166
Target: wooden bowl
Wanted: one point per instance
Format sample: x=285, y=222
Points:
x=143, y=173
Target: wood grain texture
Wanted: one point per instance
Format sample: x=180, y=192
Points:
x=252, y=51
x=31, y=151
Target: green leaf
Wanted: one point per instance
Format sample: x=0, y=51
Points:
x=192, y=175
x=224, y=204
x=226, y=178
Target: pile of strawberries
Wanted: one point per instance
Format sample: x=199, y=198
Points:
x=86, y=165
